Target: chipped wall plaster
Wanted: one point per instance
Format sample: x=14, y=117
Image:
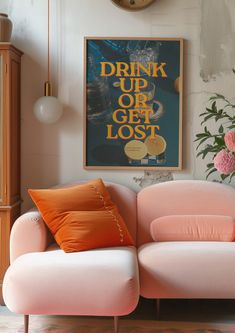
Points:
x=217, y=47
x=153, y=177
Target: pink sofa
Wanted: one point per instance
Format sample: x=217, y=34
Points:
x=42, y=279
x=191, y=269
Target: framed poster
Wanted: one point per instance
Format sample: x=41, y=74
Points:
x=133, y=103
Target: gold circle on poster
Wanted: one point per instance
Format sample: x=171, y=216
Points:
x=156, y=145
x=135, y=150
x=177, y=84
x=133, y=4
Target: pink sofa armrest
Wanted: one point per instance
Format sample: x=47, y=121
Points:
x=29, y=234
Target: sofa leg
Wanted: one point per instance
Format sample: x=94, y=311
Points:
x=158, y=308
x=26, y=323
x=116, y=324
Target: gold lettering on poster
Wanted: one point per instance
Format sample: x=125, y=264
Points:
x=133, y=115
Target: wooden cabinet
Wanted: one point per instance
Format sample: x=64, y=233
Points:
x=10, y=200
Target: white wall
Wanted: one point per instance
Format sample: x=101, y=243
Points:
x=52, y=154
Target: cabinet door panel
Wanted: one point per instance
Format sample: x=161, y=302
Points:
x=9, y=148
x=14, y=132
x=2, y=159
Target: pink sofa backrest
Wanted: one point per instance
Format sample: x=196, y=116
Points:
x=192, y=197
x=125, y=199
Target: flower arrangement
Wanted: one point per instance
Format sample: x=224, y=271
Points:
x=222, y=143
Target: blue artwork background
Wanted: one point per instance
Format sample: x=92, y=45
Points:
x=103, y=152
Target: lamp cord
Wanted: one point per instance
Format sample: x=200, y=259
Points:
x=48, y=43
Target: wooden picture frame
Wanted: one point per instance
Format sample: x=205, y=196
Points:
x=133, y=99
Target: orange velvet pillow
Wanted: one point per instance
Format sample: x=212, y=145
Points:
x=82, y=217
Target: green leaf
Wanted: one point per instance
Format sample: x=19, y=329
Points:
x=206, y=131
x=218, y=117
x=214, y=107
x=206, y=118
x=203, y=114
x=206, y=151
x=215, y=149
x=199, y=136
x=213, y=98
x=223, y=176
x=227, y=105
x=209, y=149
x=231, y=176
x=212, y=171
x=210, y=146
x=221, y=129
x=196, y=139
x=209, y=111
x=220, y=96
x=202, y=140
x=200, y=153
x=234, y=70
x=210, y=166
x=219, y=141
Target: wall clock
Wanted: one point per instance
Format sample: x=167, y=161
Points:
x=133, y=4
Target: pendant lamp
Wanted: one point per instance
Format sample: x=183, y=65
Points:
x=48, y=109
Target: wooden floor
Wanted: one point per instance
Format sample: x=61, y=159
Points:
x=221, y=311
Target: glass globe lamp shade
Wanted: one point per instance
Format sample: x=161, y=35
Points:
x=48, y=109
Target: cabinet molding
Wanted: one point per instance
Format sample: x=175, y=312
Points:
x=10, y=62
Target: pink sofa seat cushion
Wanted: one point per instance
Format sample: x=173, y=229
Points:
x=187, y=269
x=193, y=228
x=102, y=282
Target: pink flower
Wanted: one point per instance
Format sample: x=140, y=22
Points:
x=224, y=162
x=229, y=140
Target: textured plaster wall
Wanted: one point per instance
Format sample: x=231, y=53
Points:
x=217, y=52
x=53, y=154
